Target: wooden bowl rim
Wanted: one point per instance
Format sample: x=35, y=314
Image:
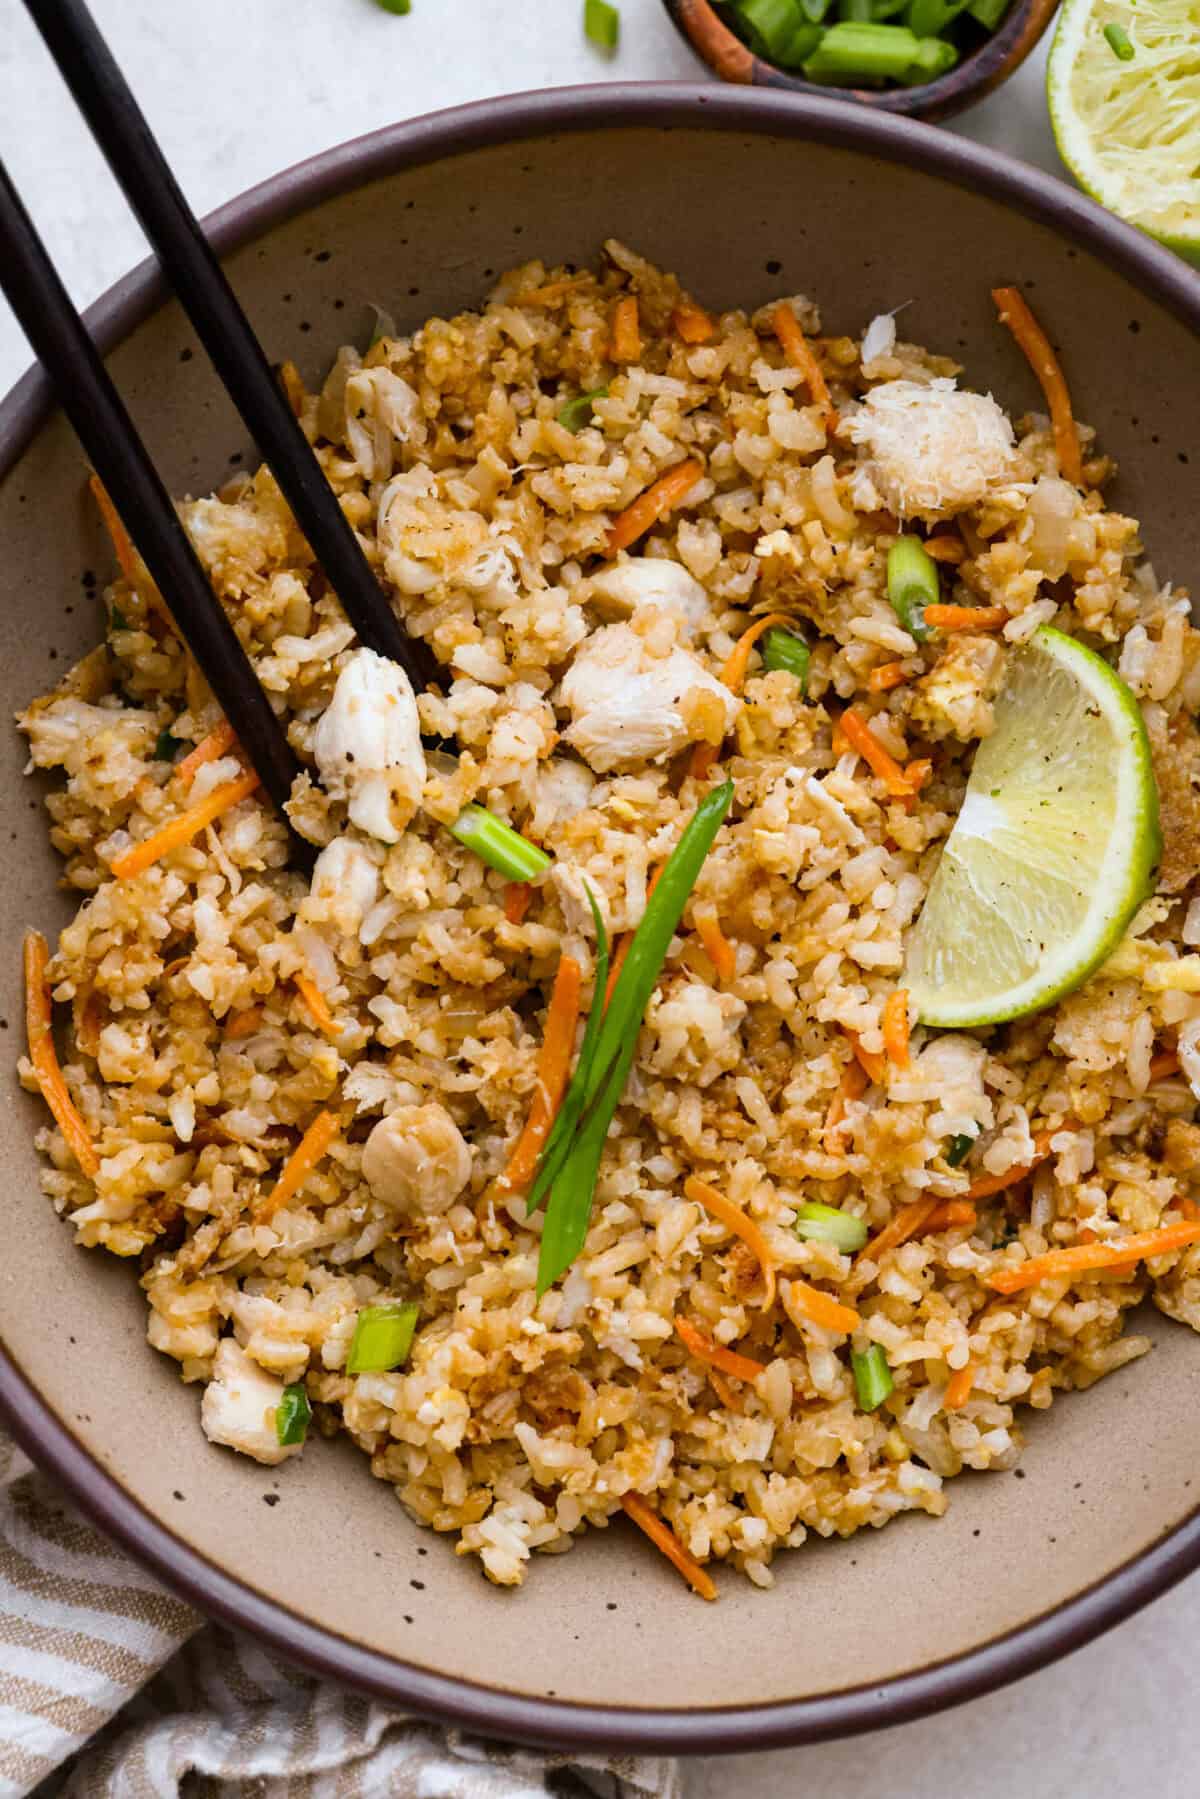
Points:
x=985, y=68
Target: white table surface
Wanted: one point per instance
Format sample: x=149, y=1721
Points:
x=1119, y=1719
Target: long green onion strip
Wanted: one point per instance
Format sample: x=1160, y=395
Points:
x=912, y=584
x=596, y=1091
x=292, y=1415
x=872, y=1377
x=382, y=1337
x=558, y=1143
x=497, y=844
x=397, y=6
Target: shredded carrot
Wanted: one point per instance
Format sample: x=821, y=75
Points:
x=908, y=1222
x=42, y=1053
x=736, y=1220
x=861, y=738
x=918, y=772
x=625, y=339
x=243, y=1024
x=647, y=1519
x=1035, y=345
x=89, y=1013
x=553, y=1067
x=721, y=952
x=885, y=677
x=949, y=1213
x=734, y=676
x=946, y=549
x=692, y=323
x=622, y=949
x=1189, y=1210
x=821, y=1308
x=1083, y=1258
x=853, y=1085
x=292, y=385
x=896, y=1027
x=958, y=1388
x=701, y=1345
x=553, y=291
x=966, y=618
x=517, y=896
x=184, y=827
x=662, y=496
x=987, y=1184
x=220, y=740
x=724, y=1391
x=798, y=351
x=314, y=1144
x=873, y=1065
x=316, y=1005
x=1163, y=1066
x=122, y=546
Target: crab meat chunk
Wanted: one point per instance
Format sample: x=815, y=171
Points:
x=239, y=1405
x=927, y=450
x=416, y=1160
x=625, y=587
x=368, y=746
x=629, y=706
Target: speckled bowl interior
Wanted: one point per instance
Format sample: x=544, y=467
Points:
x=747, y=197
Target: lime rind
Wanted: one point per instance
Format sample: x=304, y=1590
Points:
x=1129, y=131
x=1054, y=848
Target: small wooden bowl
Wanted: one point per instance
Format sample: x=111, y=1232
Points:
x=976, y=75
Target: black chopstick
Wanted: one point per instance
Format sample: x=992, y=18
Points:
x=108, y=435
x=119, y=127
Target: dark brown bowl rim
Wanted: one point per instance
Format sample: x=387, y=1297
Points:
x=33, y=1421
x=986, y=67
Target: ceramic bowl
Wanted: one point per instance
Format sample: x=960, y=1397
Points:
x=747, y=196
x=982, y=69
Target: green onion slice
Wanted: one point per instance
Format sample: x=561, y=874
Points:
x=1119, y=41
x=117, y=620
x=912, y=584
x=785, y=650
x=827, y=1224
x=872, y=1377
x=396, y=6
x=935, y=55
x=497, y=844
x=578, y=412
x=166, y=747
x=853, y=50
x=957, y=1150
x=595, y=1091
x=988, y=13
x=382, y=1337
x=601, y=24
x=292, y=1415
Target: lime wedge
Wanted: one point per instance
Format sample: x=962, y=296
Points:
x=1053, y=850
x=1126, y=110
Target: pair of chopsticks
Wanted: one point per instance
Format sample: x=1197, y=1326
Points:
x=92, y=404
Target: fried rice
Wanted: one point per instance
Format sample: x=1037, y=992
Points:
x=217, y=1002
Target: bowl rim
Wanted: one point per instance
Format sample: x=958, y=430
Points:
x=31, y=1417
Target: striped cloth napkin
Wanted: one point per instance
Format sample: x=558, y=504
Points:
x=110, y=1688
